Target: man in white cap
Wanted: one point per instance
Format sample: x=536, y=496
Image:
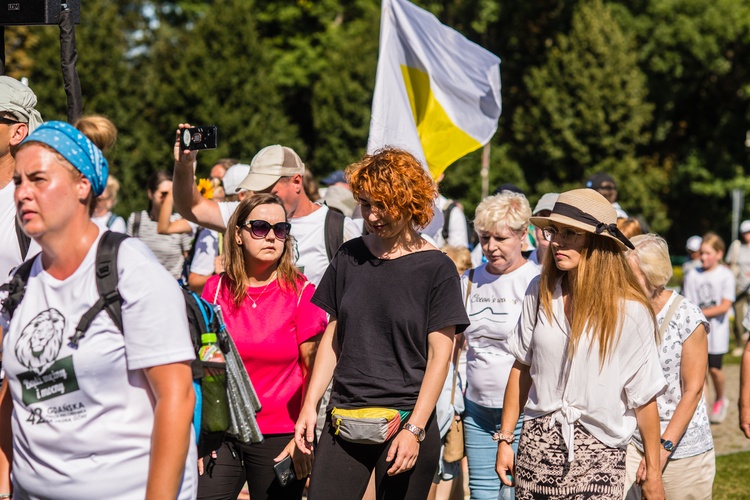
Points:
x=693, y=247
x=738, y=259
x=18, y=119
x=231, y=181
x=278, y=170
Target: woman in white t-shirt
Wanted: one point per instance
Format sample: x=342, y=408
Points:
x=687, y=445
x=587, y=369
x=493, y=294
x=103, y=414
x=712, y=288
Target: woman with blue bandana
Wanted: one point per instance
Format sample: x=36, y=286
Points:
x=108, y=416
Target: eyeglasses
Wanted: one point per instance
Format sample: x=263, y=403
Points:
x=566, y=234
x=260, y=228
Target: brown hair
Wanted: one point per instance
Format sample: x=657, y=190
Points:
x=604, y=281
x=461, y=257
x=286, y=272
x=396, y=179
x=629, y=227
x=99, y=129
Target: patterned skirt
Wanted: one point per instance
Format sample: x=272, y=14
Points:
x=543, y=472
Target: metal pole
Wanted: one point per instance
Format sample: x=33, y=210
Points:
x=738, y=196
x=485, y=172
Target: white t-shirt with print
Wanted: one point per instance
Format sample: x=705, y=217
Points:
x=310, y=241
x=493, y=307
x=10, y=254
x=83, y=418
x=708, y=289
x=685, y=320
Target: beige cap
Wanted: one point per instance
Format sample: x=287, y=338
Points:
x=271, y=164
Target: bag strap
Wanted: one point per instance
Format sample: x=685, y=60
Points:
x=107, y=279
x=218, y=287
x=670, y=312
x=16, y=287
x=137, y=223
x=447, y=219
x=455, y=361
x=111, y=220
x=334, y=232
x=24, y=241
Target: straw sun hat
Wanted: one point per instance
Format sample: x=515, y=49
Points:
x=588, y=210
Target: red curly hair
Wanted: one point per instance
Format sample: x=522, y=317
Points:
x=397, y=180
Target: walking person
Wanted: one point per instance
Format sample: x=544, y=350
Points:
x=711, y=287
x=106, y=414
x=493, y=294
x=266, y=305
x=738, y=260
x=687, y=448
x=395, y=304
x=586, y=370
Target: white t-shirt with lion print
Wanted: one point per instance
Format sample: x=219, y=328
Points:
x=83, y=418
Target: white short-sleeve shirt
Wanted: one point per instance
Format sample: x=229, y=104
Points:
x=83, y=418
x=708, y=289
x=576, y=390
x=493, y=306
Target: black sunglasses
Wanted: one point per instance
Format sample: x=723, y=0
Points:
x=260, y=228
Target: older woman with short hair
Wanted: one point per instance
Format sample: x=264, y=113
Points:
x=687, y=445
x=493, y=295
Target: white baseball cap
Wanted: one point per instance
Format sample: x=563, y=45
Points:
x=271, y=164
x=233, y=177
x=694, y=243
x=745, y=226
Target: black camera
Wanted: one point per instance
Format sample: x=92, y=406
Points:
x=196, y=138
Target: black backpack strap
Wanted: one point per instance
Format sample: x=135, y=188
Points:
x=23, y=240
x=447, y=219
x=106, y=284
x=334, y=232
x=137, y=223
x=16, y=287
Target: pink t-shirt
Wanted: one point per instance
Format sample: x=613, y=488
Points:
x=268, y=339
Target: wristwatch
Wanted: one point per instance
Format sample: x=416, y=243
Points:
x=667, y=445
x=417, y=431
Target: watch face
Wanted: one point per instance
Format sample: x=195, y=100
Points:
x=668, y=445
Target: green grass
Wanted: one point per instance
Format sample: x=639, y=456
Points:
x=732, y=476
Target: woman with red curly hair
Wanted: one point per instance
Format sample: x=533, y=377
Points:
x=395, y=304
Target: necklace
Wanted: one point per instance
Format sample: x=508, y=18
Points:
x=255, y=301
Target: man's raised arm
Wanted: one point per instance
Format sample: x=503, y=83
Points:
x=188, y=201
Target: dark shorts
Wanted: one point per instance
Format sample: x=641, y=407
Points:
x=715, y=361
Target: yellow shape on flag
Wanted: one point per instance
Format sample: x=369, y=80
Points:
x=442, y=140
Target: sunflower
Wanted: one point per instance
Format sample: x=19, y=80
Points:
x=206, y=188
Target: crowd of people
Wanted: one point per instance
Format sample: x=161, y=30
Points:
x=372, y=335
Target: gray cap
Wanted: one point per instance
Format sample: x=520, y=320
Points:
x=546, y=202
x=18, y=100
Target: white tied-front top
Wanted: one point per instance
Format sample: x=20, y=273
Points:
x=602, y=400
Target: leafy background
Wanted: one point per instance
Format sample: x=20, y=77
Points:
x=655, y=92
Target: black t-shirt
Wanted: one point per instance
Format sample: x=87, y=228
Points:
x=385, y=309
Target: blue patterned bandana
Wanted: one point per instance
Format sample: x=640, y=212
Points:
x=77, y=149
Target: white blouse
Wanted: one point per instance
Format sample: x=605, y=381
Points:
x=602, y=400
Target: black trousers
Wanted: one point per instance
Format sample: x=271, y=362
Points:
x=342, y=470
x=236, y=463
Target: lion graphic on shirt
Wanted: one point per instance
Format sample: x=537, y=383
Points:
x=40, y=341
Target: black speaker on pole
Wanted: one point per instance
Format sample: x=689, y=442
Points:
x=36, y=12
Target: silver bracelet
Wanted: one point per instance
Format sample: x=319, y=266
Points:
x=6, y=495
x=505, y=436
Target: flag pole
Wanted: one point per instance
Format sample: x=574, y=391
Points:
x=485, y=172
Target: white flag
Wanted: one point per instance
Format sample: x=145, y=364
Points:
x=437, y=94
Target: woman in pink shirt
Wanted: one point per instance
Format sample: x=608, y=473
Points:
x=267, y=309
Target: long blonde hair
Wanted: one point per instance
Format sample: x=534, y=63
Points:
x=604, y=281
x=286, y=272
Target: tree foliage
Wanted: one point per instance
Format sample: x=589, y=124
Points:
x=654, y=92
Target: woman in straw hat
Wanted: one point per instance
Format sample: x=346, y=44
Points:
x=586, y=365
